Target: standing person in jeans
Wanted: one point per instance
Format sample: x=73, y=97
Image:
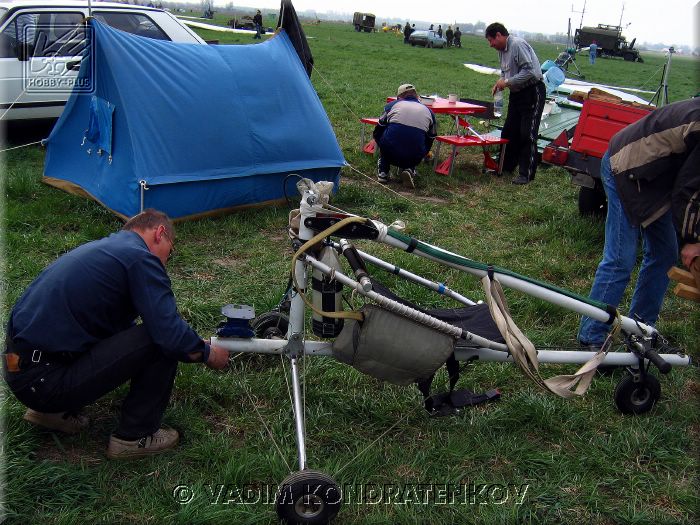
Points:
x=405, y=134
x=593, y=52
x=522, y=75
x=257, y=21
x=651, y=177
x=72, y=337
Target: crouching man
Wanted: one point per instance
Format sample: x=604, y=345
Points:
x=405, y=134
x=72, y=337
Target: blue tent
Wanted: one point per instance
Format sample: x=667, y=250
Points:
x=190, y=129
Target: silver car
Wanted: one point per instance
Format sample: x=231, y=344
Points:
x=427, y=39
x=41, y=45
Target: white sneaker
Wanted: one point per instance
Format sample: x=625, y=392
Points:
x=383, y=177
x=407, y=177
x=62, y=421
x=161, y=440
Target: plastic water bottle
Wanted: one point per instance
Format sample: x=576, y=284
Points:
x=498, y=103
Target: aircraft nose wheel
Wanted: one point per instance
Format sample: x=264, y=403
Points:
x=271, y=325
x=308, y=497
x=637, y=397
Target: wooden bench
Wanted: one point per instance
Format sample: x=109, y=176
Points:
x=466, y=141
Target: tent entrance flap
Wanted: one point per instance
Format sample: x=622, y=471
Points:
x=99, y=131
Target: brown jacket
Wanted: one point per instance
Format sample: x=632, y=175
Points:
x=654, y=161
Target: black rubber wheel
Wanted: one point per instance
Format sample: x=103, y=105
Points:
x=629, y=57
x=271, y=325
x=592, y=201
x=308, y=497
x=637, y=398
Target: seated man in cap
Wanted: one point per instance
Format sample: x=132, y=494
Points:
x=405, y=134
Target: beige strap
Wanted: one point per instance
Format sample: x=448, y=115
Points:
x=313, y=242
x=525, y=355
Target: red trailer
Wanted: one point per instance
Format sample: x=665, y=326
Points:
x=598, y=122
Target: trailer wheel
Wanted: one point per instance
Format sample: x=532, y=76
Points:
x=629, y=57
x=637, y=397
x=308, y=497
x=592, y=201
x=271, y=325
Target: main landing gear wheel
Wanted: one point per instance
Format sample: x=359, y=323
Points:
x=592, y=201
x=637, y=397
x=271, y=325
x=308, y=497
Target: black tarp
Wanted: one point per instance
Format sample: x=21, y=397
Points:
x=289, y=21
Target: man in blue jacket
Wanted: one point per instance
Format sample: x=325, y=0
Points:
x=405, y=134
x=72, y=337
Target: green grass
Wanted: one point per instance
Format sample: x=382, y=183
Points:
x=581, y=460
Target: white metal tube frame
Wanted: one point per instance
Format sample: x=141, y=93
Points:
x=470, y=346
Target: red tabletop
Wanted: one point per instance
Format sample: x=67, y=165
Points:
x=442, y=105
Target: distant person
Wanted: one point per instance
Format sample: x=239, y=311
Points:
x=439, y=31
x=405, y=134
x=522, y=75
x=449, y=35
x=593, y=52
x=257, y=20
x=651, y=178
x=430, y=28
x=72, y=337
x=406, y=32
x=458, y=37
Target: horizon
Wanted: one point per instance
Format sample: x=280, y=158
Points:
x=641, y=19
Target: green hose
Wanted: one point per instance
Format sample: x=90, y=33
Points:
x=468, y=263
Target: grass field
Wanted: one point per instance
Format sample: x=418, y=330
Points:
x=528, y=458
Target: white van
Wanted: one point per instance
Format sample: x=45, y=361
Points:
x=41, y=43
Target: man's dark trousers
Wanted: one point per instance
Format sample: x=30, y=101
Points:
x=521, y=129
x=61, y=383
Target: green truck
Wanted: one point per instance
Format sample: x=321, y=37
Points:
x=610, y=42
x=363, y=22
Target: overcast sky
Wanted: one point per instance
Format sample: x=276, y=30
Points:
x=667, y=21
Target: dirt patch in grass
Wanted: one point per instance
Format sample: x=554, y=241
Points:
x=204, y=276
x=228, y=262
x=690, y=390
x=224, y=425
x=407, y=472
x=61, y=449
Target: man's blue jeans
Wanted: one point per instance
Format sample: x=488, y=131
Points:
x=660, y=252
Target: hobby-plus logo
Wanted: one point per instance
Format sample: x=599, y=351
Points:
x=55, y=58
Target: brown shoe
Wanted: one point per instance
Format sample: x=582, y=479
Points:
x=160, y=441
x=62, y=421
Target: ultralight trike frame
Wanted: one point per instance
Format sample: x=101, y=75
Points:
x=312, y=497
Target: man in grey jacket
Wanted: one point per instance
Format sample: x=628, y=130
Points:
x=522, y=75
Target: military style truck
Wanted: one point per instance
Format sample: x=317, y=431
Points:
x=609, y=40
x=363, y=22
